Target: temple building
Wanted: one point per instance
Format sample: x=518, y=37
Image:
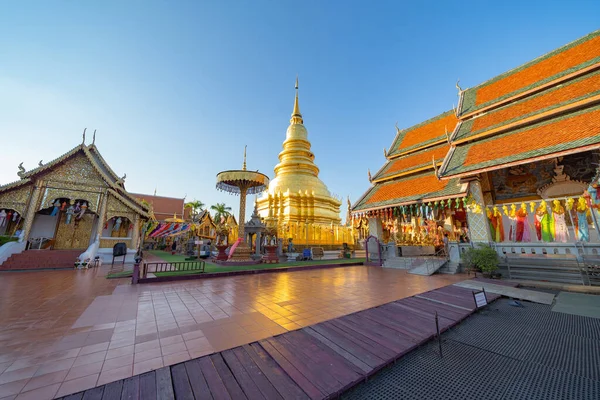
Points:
x=305, y=209
x=164, y=207
x=516, y=165
x=68, y=204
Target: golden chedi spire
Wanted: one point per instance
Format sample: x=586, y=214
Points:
x=296, y=116
x=296, y=194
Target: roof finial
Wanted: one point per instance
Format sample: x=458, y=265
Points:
x=296, y=116
x=94, y=138
x=369, y=172
x=40, y=164
x=83, y=141
x=458, y=87
x=244, y=165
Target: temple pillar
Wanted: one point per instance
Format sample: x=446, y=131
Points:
x=258, y=237
x=479, y=227
x=101, y=215
x=135, y=237
x=34, y=201
x=375, y=228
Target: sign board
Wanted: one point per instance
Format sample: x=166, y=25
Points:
x=197, y=242
x=480, y=299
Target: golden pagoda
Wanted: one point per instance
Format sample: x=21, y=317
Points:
x=304, y=208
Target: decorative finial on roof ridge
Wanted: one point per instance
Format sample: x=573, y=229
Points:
x=435, y=170
x=94, y=138
x=41, y=164
x=83, y=141
x=385, y=154
x=447, y=135
x=21, y=172
x=460, y=90
x=370, y=177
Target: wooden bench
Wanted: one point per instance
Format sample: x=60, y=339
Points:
x=317, y=252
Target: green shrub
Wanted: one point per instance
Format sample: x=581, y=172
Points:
x=6, y=239
x=482, y=258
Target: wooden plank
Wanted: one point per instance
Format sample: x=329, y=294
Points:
x=131, y=388
x=230, y=383
x=215, y=384
x=296, y=369
x=148, y=385
x=164, y=385
x=94, y=394
x=426, y=316
x=391, y=320
x=241, y=376
x=432, y=307
x=277, y=376
x=334, y=347
x=112, y=391
x=402, y=342
x=381, y=351
x=335, y=365
x=181, y=383
x=197, y=381
x=261, y=381
x=368, y=331
x=348, y=345
x=74, y=396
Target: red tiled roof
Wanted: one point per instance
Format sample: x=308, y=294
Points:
x=539, y=71
x=565, y=93
x=427, y=132
x=562, y=131
x=163, y=207
x=412, y=161
x=406, y=188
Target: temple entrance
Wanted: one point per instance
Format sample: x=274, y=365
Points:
x=66, y=224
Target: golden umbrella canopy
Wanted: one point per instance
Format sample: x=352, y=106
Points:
x=174, y=219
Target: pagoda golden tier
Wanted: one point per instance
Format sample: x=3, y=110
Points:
x=304, y=208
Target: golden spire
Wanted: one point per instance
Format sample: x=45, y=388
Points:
x=244, y=165
x=296, y=116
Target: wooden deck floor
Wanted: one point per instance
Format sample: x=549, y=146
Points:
x=317, y=362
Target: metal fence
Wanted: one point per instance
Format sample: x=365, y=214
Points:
x=173, y=266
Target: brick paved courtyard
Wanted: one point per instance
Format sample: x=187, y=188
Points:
x=65, y=331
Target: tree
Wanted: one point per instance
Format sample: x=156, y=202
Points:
x=221, y=210
x=196, y=206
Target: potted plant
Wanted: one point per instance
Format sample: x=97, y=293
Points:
x=481, y=258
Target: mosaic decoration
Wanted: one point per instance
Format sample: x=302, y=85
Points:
x=478, y=223
x=525, y=180
x=116, y=208
x=16, y=199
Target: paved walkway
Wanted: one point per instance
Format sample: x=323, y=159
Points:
x=66, y=331
x=318, y=362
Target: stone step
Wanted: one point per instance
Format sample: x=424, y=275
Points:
x=41, y=259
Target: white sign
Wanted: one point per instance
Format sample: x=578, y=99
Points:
x=480, y=299
x=198, y=242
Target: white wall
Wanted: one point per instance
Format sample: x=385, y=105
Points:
x=43, y=226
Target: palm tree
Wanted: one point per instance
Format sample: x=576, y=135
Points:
x=196, y=206
x=221, y=210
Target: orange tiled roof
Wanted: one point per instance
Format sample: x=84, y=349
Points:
x=541, y=70
x=563, y=94
x=425, y=133
x=406, y=188
x=414, y=160
x=163, y=207
x=565, y=130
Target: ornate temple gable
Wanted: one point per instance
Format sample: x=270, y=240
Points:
x=410, y=189
x=76, y=171
x=431, y=132
x=561, y=64
x=562, y=135
x=16, y=197
x=420, y=160
x=116, y=207
x=558, y=99
x=101, y=162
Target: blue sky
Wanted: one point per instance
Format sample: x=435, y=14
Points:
x=176, y=89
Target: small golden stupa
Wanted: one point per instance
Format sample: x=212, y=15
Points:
x=304, y=208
